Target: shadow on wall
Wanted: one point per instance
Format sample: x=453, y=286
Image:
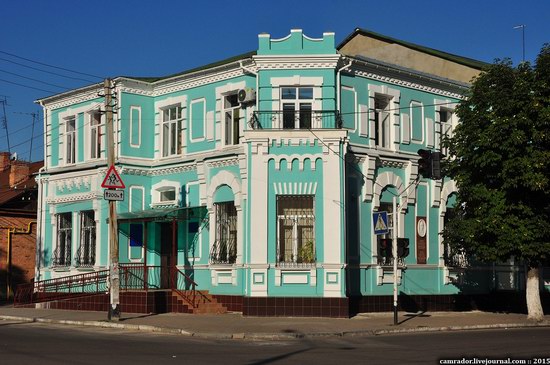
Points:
x=14, y=277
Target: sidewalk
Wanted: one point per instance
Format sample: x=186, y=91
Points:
x=234, y=325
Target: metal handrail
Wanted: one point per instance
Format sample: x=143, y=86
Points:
x=296, y=119
x=190, y=299
x=60, y=288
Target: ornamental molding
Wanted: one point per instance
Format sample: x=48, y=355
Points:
x=292, y=62
x=77, y=183
x=74, y=99
x=133, y=90
x=157, y=172
x=398, y=164
x=404, y=83
x=74, y=197
x=179, y=85
x=223, y=163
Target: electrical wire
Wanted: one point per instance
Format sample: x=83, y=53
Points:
x=49, y=72
x=30, y=78
x=48, y=65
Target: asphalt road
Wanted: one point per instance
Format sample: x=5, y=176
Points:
x=28, y=343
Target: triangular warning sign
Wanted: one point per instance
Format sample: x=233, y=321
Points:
x=112, y=180
x=380, y=224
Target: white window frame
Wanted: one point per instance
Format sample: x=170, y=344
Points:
x=70, y=141
x=196, y=101
x=97, y=129
x=180, y=101
x=66, y=232
x=87, y=233
x=382, y=122
x=138, y=122
x=278, y=82
x=393, y=96
x=297, y=104
x=230, y=132
x=295, y=235
x=173, y=123
x=163, y=186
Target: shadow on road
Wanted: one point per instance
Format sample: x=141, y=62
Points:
x=413, y=315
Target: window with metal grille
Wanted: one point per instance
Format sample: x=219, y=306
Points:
x=86, y=250
x=296, y=230
x=62, y=253
x=297, y=107
x=224, y=250
x=171, y=127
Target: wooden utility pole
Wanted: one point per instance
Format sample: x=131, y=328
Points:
x=114, y=283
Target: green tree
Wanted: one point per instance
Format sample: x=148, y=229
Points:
x=499, y=157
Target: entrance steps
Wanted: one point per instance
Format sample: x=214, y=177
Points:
x=187, y=301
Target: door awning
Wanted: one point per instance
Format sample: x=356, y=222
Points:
x=162, y=214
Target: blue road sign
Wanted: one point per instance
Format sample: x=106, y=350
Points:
x=380, y=220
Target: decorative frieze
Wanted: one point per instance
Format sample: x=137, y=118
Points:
x=74, y=197
x=223, y=163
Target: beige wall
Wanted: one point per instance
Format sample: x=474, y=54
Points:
x=402, y=56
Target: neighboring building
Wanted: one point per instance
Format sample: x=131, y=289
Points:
x=18, y=203
x=258, y=175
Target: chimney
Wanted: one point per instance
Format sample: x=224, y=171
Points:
x=4, y=160
x=19, y=172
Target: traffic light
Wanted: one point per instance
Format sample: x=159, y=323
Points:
x=425, y=163
x=385, y=248
x=436, y=165
x=402, y=247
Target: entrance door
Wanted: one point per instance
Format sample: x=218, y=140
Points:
x=167, y=260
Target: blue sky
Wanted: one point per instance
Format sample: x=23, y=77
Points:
x=109, y=38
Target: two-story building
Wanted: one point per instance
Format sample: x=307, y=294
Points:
x=258, y=176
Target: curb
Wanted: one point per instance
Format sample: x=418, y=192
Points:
x=268, y=336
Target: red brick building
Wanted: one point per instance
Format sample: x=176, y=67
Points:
x=18, y=206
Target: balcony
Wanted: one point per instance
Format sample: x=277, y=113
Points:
x=290, y=119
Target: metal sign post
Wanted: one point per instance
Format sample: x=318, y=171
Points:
x=395, y=227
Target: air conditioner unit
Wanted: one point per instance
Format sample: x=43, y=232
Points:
x=246, y=95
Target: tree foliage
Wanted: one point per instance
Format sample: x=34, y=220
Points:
x=499, y=157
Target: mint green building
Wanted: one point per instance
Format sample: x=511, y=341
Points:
x=257, y=177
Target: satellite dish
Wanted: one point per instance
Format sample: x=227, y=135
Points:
x=13, y=156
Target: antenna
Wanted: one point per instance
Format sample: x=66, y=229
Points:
x=4, y=102
x=522, y=26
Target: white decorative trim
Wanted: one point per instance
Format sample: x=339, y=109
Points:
x=157, y=188
x=203, y=137
x=407, y=84
x=267, y=62
x=179, y=101
x=74, y=197
x=131, y=197
x=412, y=106
x=296, y=188
x=223, y=163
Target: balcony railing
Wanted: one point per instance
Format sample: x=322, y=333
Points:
x=304, y=119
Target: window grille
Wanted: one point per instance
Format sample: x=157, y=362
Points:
x=224, y=250
x=296, y=230
x=62, y=253
x=86, y=250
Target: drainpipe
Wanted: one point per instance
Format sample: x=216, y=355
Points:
x=247, y=70
x=338, y=78
x=11, y=231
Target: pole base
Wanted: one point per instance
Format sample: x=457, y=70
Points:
x=114, y=313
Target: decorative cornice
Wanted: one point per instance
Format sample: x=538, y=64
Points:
x=71, y=183
x=223, y=163
x=72, y=99
x=405, y=83
x=74, y=197
x=179, y=85
x=398, y=164
x=294, y=62
x=159, y=171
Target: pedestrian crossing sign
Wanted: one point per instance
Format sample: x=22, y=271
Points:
x=112, y=180
x=380, y=220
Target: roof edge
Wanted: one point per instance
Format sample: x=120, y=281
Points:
x=470, y=62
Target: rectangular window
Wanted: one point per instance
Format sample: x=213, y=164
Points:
x=224, y=250
x=297, y=107
x=171, y=128
x=95, y=135
x=445, y=118
x=296, y=230
x=231, y=112
x=384, y=241
x=86, y=250
x=62, y=253
x=70, y=140
x=382, y=121
x=168, y=195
